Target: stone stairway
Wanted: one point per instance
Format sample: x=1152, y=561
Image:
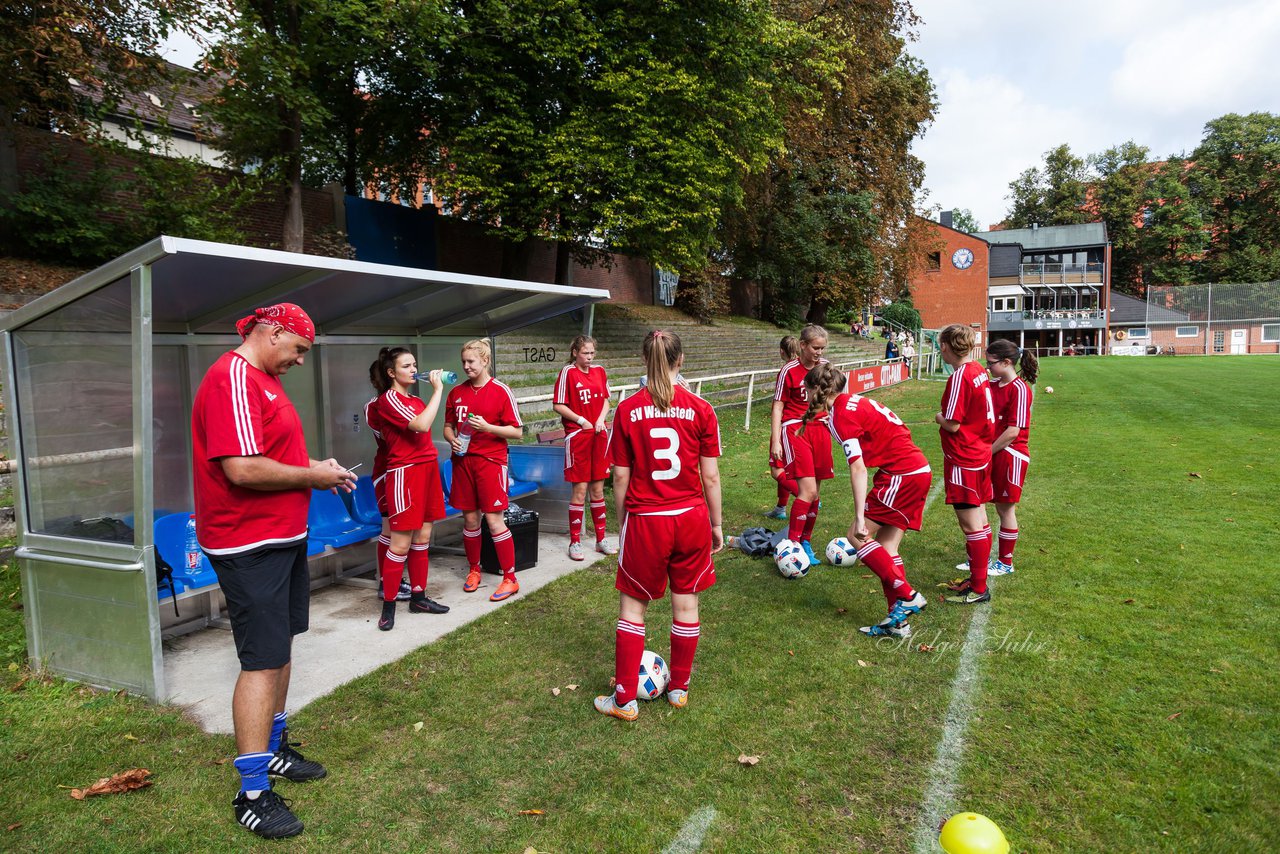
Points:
x=530, y=359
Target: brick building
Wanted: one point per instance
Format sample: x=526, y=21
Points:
x=951, y=286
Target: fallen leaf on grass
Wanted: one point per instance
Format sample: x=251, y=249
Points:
x=1194, y=474
x=613, y=682
x=1128, y=602
x=530, y=850
x=531, y=812
x=572, y=687
x=14, y=826
x=868, y=575
x=125, y=781
x=744, y=759
x=842, y=610
x=1215, y=670
x=222, y=761
x=862, y=663
x=1228, y=519
x=418, y=726
x=13, y=666
x=435, y=789
x=128, y=736
x=791, y=652
x=1172, y=716
x=555, y=692
x=924, y=647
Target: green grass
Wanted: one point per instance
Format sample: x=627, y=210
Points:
x=1073, y=747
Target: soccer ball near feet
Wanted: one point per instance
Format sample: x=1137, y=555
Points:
x=790, y=559
x=654, y=676
x=841, y=552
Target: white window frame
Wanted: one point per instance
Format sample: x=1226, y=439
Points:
x=1273, y=336
x=1181, y=332
x=1139, y=332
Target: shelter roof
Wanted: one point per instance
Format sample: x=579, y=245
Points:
x=1048, y=237
x=1126, y=309
x=202, y=287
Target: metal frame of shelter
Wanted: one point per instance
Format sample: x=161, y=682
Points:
x=99, y=376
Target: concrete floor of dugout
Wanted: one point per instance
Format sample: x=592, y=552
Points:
x=343, y=641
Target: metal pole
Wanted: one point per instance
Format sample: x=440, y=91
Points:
x=1208, y=325
x=589, y=319
x=751, y=387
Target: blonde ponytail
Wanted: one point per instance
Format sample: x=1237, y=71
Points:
x=662, y=351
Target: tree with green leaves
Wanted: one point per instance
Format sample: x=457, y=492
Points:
x=1172, y=239
x=1117, y=197
x=962, y=219
x=1053, y=194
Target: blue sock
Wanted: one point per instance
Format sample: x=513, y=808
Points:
x=253, y=771
x=278, y=725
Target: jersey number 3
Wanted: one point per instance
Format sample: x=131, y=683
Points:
x=669, y=454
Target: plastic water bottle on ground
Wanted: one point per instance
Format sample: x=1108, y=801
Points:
x=192, y=548
x=446, y=377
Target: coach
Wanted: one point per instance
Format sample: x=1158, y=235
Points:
x=253, y=482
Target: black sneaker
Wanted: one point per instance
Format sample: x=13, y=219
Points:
x=269, y=816
x=426, y=605
x=292, y=765
x=405, y=591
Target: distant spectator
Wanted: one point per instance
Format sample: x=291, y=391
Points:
x=891, y=350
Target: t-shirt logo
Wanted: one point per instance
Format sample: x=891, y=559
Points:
x=269, y=395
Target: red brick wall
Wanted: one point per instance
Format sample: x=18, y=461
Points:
x=948, y=295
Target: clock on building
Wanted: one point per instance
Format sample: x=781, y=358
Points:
x=962, y=259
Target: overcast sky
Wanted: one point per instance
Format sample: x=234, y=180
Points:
x=1015, y=79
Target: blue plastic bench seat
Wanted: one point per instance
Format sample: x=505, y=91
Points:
x=515, y=488
x=363, y=503
x=331, y=524
x=171, y=542
x=163, y=593
x=520, y=489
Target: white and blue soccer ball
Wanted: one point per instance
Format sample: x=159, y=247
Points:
x=654, y=676
x=791, y=560
x=841, y=552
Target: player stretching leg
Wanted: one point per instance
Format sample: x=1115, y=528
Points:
x=873, y=436
x=808, y=457
x=581, y=398
x=666, y=482
x=967, y=424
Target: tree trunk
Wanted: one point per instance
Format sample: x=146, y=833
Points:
x=515, y=258
x=293, y=223
x=564, y=271
x=818, y=311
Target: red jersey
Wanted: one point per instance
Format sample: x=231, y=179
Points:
x=240, y=411
x=494, y=402
x=374, y=425
x=1013, y=409
x=867, y=428
x=584, y=392
x=967, y=399
x=404, y=446
x=662, y=449
x=792, y=392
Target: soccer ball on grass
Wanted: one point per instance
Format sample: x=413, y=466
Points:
x=841, y=552
x=654, y=676
x=791, y=560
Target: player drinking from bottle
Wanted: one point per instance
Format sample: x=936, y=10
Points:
x=581, y=398
x=967, y=424
x=788, y=351
x=666, y=482
x=807, y=456
x=481, y=416
x=1010, y=457
x=410, y=498
x=872, y=436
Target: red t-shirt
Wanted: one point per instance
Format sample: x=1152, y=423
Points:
x=372, y=419
x=404, y=446
x=584, y=392
x=1013, y=409
x=867, y=428
x=662, y=449
x=792, y=392
x=967, y=399
x=494, y=402
x=240, y=411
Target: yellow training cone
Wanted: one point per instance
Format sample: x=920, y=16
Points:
x=970, y=833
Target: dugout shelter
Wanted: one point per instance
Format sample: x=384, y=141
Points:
x=99, y=379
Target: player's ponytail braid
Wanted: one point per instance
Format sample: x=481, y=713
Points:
x=385, y=362
x=662, y=351
x=824, y=383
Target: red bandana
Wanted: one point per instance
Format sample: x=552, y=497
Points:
x=286, y=315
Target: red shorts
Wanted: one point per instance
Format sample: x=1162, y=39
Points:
x=585, y=456
x=897, y=500
x=655, y=549
x=411, y=496
x=1008, y=473
x=775, y=463
x=808, y=455
x=967, y=486
x=478, y=484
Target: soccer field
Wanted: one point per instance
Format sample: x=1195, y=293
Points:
x=1119, y=695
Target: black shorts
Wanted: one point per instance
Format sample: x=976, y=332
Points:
x=268, y=593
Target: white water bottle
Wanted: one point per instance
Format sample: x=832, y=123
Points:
x=193, y=544
x=464, y=437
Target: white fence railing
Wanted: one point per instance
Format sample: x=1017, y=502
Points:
x=696, y=384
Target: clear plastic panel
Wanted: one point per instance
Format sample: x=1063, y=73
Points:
x=75, y=406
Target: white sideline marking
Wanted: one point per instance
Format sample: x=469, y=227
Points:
x=689, y=839
x=939, y=793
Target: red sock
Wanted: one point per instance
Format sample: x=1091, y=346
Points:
x=879, y=561
x=392, y=572
x=906, y=591
x=384, y=542
x=598, y=516
x=1008, y=539
x=628, y=647
x=799, y=517
x=471, y=545
x=505, y=547
x=575, y=523
x=419, y=566
x=684, y=643
x=978, y=547
x=783, y=493
x=811, y=519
